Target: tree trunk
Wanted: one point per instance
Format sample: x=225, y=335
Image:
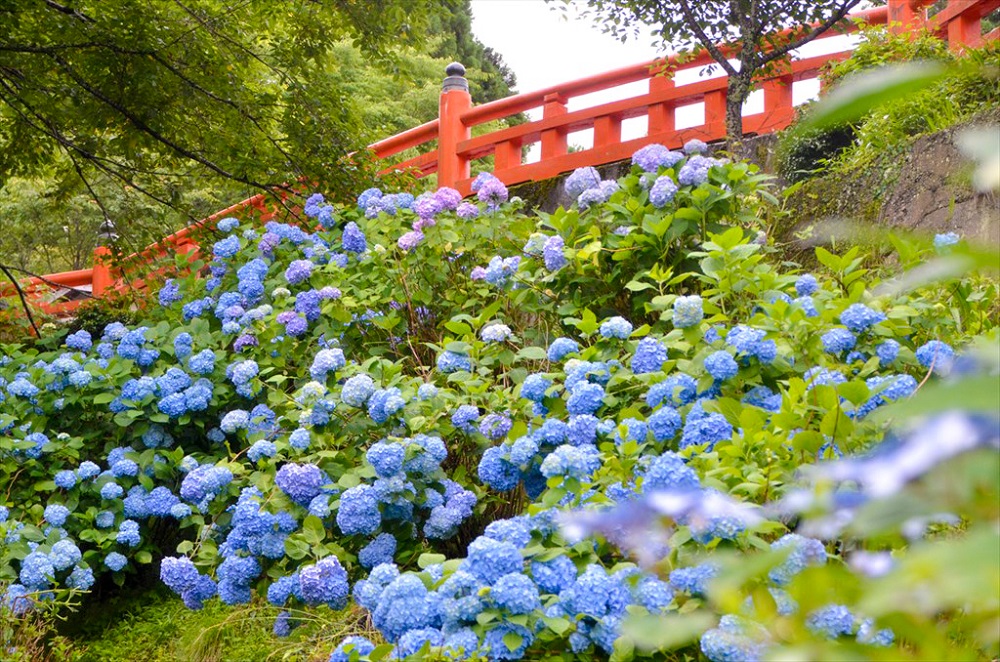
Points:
x=737, y=92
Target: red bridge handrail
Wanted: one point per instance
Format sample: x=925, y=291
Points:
x=959, y=23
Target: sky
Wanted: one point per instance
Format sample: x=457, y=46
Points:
x=543, y=47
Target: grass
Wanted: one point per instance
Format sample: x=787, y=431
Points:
x=155, y=626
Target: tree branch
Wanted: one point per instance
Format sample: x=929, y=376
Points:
x=69, y=11
x=837, y=16
x=150, y=131
x=707, y=43
x=24, y=302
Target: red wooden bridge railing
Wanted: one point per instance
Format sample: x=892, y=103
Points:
x=959, y=22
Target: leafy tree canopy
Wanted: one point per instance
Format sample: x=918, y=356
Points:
x=157, y=113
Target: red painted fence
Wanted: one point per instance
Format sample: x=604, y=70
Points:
x=959, y=23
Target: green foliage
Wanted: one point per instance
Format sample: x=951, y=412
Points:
x=397, y=311
x=930, y=89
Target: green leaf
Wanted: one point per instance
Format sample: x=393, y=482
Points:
x=512, y=641
x=975, y=394
x=531, y=354
x=428, y=559
x=858, y=95
x=313, y=530
x=557, y=625
x=143, y=557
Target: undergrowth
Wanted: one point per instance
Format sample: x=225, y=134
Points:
x=154, y=626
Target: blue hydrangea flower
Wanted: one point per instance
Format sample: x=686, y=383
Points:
x=585, y=398
x=37, y=571
x=405, y=605
x=560, y=347
x=115, y=561
x=351, y=648
x=378, y=551
x=887, y=351
x=571, y=461
x=516, y=594
x=226, y=248
x=55, y=514
x=552, y=253
x=238, y=419
x=495, y=333
x=359, y=511
x=464, y=417
x=677, y=389
x=616, y=327
x=805, y=552
x=695, y=171
x=944, y=242
x=495, y=426
x=386, y=458
x=937, y=354
x=261, y=449
x=831, y=621
x=534, y=386
x=688, y=311
x=858, y=317
x=65, y=479
x=704, y=428
x=664, y=423
x=580, y=180
x=298, y=271
x=467, y=211
x=806, y=285
x=497, y=647
x=694, y=580
x=81, y=579
x=649, y=356
x=80, y=341
x=301, y=482
x=720, y=645
x=353, y=239
x=662, y=191
x=669, y=472
x=449, y=362
x=324, y=582
x=721, y=365
x=357, y=390
x=493, y=193
x=838, y=341
x=490, y=559
x=652, y=157
x=128, y=533
x=867, y=634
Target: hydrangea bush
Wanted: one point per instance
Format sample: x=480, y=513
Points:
x=397, y=403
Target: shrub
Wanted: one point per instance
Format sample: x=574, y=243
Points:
x=321, y=412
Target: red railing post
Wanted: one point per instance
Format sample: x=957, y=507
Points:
x=964, y=30
x=455, y=101
x=554, y=141
x=715, y=114
x=102, y=278
x=778, y=109
x=607, y=130
x=661, y=115
x=507, y=155
x=906, y=15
